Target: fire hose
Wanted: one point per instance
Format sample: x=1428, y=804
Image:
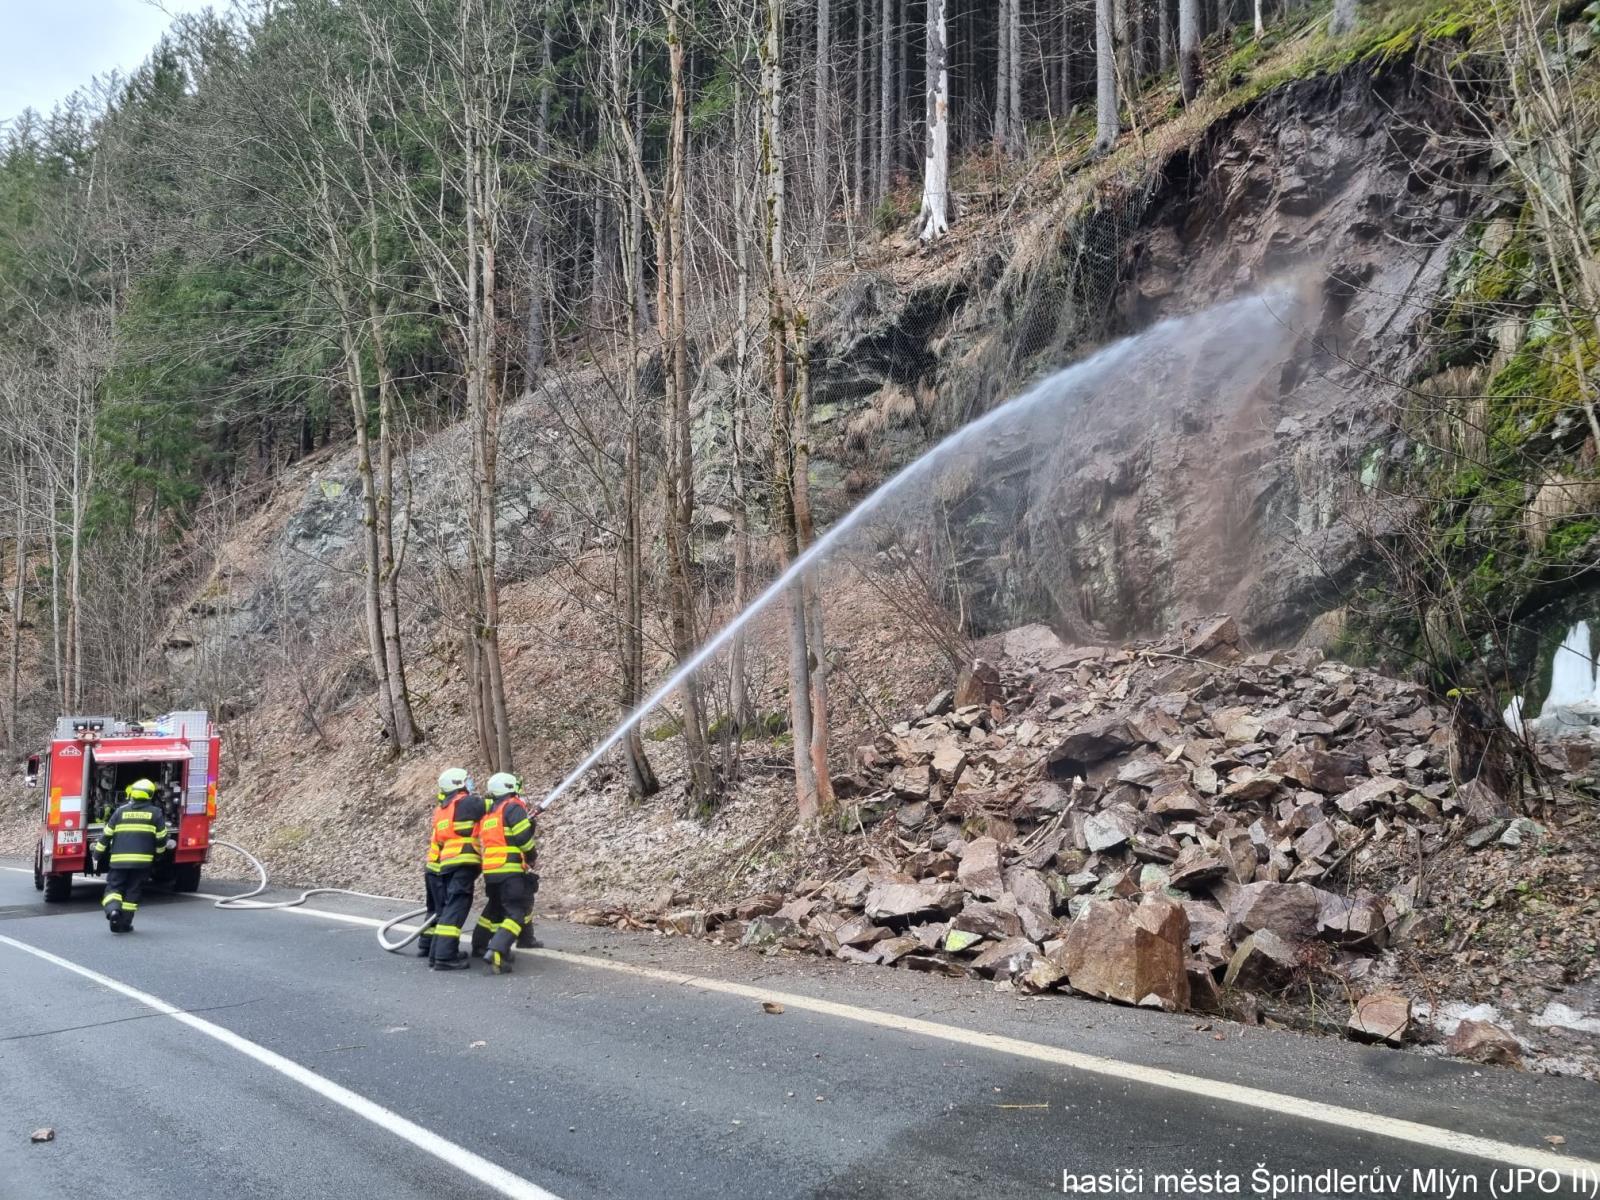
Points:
x=246, y=900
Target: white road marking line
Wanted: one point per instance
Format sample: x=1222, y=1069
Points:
x=1353, y=1119
x=489, y=1174
x=1392, y=1128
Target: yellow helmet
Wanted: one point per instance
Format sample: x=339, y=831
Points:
x=140, y=789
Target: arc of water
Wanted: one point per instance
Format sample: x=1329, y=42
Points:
x=1110, y=357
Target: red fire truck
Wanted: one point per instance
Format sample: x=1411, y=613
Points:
x=84, y=773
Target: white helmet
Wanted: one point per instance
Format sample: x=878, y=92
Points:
x=454, y=780
x=503, y=784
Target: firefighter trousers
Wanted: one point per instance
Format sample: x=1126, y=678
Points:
x=433, y=891
x=456, y=885
x=124, y=886
x=507, y=912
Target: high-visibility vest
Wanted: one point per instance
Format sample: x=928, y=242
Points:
x=505, y=837
x=452, y=844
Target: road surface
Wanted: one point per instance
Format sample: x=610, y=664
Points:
x=245, y=1055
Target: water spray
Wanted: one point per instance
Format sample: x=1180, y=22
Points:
x=1266, y=306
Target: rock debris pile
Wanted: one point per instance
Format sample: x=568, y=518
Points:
x=1173, y=824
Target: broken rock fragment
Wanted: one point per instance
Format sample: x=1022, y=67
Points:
x=1380, y=1017
x=1130, y=951
x=1483, y=1042
x=979, y=871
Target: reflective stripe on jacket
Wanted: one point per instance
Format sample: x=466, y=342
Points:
x=134, y=833
x=453, y=822
x=505, y=837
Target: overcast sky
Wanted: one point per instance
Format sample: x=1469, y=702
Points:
x=50, y=48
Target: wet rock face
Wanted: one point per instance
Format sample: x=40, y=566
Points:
x=1172, y=489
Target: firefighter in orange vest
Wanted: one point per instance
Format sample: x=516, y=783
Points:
x=505, y=838
x=452, y=871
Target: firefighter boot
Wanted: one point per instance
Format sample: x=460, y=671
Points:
x=527, y=941
x=112, y=903
x=447, y=954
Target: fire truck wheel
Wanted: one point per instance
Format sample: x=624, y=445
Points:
x=38, y=867
x=186, y=877
x=57, y=888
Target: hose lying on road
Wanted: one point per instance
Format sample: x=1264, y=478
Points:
x=245, y=900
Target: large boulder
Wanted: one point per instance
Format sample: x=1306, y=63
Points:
x=1094, y=741
x=1130, y=951
x=900, y=901
x=979, y=871
x=1289, y=910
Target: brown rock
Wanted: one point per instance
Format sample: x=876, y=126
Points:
x=858, y=931
x=1094, y=741
x=1047, y=796
x=1361, y=800
x=1178, y=803
x=979, y=871
x=1195, y=864
x=763, y=905
x=978, y=684
x=1263, y=960
x=935, y=864
x=913, y=783
x=1238, y=725
x=1380, y=1017
x=893, y=901
x=892, y=950
x=1290, y=910
x=1103, y=831
x=1028, y=888
x=1211, y=637
x=1316, y=841
x=988, y=920
x=1251, y=787
x=691, y=922
x=949, y=760
x=1005, y=959
x=1317, y=769
x=1132, y=952
x=1482, y=1042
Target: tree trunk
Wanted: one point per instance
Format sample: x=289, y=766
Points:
x=1189, y=65
x=783, y=515
x=744, y=204
x=886, y=128
x=1344, y=18
x=678, y=476
x=810, y=587
x=406, y=732
x=371, y=559
x=934, y=220
x=19, y=566
x=1015, y=131
x=536, y=349
x=1002, y=78
x=1108, y=120
x=822, y=185
x=1164, y=35
x=1260, y=29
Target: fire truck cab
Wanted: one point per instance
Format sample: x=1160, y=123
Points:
x=84, y=773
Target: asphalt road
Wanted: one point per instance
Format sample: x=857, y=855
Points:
x=312, y=1064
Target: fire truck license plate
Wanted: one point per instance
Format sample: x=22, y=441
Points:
x=69, y=837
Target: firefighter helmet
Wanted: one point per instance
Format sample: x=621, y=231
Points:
x=454, y=780
x=140, y=789
x=503, y=784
